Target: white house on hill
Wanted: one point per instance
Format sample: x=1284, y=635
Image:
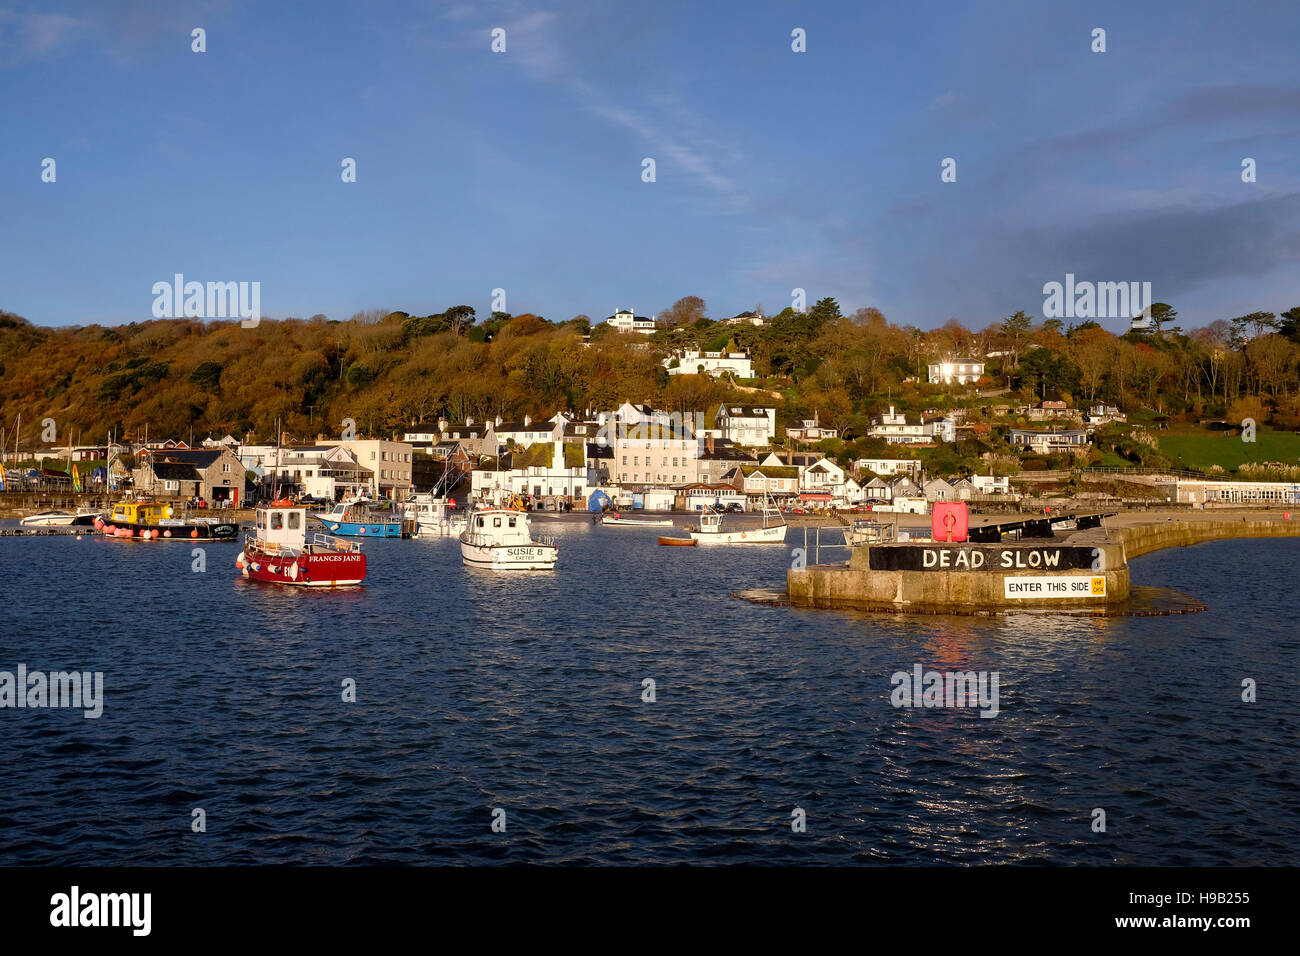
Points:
x=625, y=321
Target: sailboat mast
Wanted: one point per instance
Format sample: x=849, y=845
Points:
x=275, y=478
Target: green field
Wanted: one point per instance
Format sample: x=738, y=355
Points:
x=1200, y=449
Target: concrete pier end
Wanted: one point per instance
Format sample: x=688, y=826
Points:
x=1078, y=570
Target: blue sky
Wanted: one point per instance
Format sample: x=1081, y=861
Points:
x=522, y=170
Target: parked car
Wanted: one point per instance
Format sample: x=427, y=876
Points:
x=735, y=506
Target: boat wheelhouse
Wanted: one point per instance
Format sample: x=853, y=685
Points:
x=500, y=539
x=156, y=521
x=434, y=516
x=280, y=551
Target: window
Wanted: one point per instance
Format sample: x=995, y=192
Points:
x=512, y=521
x=496, y=522
x=372, y=456
x=295, y=520
x=636, y=460
x=277, y=520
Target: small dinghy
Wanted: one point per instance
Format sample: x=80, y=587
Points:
x=679, y=542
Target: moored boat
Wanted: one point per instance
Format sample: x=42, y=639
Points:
x=712, y=529
x=359, y=520
x=615, y=520
x=51, y=519
x=434, y=516
x=500, y=539
x=155, y=521
x=680, y=542
x=280, y=552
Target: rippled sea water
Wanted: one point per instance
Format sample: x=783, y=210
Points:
x=524, y=692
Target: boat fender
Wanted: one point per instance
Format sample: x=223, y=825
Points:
x=363, y=530
x=293, y=571
x=167, y=534
x=239, y=560
x=194, y=533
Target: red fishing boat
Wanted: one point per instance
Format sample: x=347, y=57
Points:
x=280, y=551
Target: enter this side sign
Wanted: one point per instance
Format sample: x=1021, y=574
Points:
x=1055, y=587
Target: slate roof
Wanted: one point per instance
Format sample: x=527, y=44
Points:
x=175, y=471
x=199, y=458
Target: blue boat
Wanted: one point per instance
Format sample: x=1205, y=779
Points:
x=359, y=521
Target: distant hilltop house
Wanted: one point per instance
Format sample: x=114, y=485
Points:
x=747, y=318
x=753, y=426
x=886, y=467
x=695, y=362
x=962, y=371
x=1050, y=411
x=625, y=321
x=810, y=429
x=1101, y=414
x=898, y=428
x=1075, y=440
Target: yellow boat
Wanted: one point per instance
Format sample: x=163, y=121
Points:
x=150, y=520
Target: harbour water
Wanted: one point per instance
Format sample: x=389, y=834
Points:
x=480, y=690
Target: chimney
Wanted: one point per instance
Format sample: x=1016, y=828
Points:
x=498, y=420
x=527, y=421
x=708, y=443
x=442, y=424
x=468, y=420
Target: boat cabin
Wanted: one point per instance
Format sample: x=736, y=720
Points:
x=502, y=526
x=282, y=526
x=140, y=512
x=711, y=522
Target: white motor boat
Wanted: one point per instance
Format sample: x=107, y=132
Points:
x=618, y=521
x=434, y=517
x=50, y=519
x=500, y=539
x=713, y=529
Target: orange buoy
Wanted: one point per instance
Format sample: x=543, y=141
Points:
x=194, y=533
